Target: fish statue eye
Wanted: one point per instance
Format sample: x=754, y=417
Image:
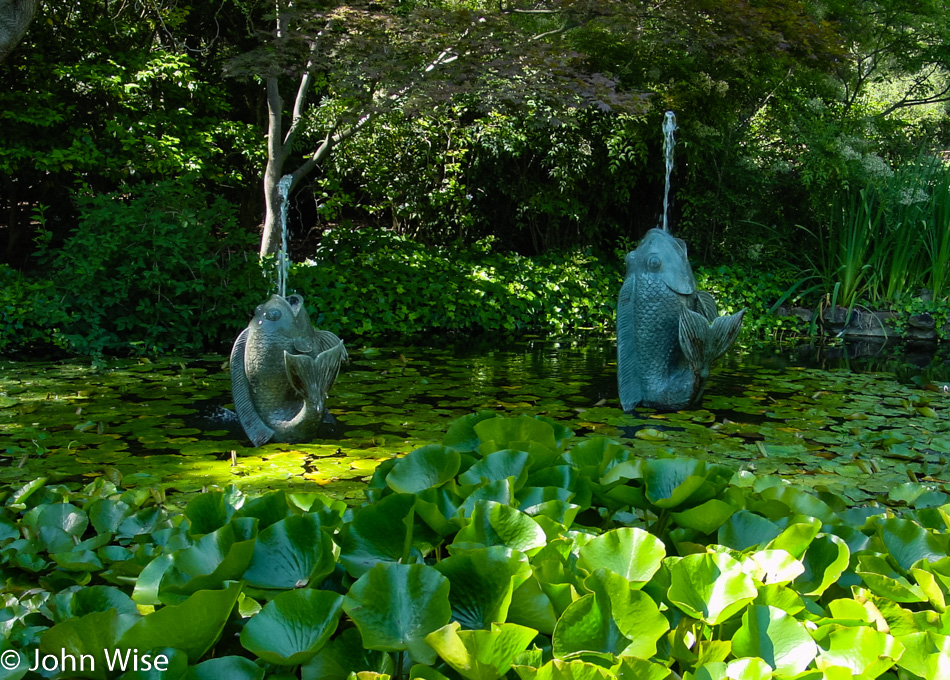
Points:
x=272, y=314
x=654, y=263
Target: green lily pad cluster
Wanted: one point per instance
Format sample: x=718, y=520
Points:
x=858, y=435
x=509, y=550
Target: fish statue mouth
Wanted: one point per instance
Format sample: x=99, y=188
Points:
x=281, y=370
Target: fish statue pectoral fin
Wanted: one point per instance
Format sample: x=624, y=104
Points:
x=254, y=427
x=628, y=379
x=707, y=305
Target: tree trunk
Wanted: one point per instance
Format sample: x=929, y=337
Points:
x=276, y=155
x=15, y=18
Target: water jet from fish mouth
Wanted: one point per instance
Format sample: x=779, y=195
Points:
x=669, y=127
x=283, y=259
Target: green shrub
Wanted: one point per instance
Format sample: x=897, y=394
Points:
x=159, y=267
x=377, y=284
x=30, y=313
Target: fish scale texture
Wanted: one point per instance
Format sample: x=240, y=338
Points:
x=656, y=331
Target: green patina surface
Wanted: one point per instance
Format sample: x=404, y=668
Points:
x=858, y=435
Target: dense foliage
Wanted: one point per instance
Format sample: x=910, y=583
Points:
x=496, y=553
x=175, y=275
x=530, y=126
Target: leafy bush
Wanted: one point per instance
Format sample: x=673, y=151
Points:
x=165, y=271
x=757, y=290
x=155, y=268
x=30, y=314
x=496, y=553
x=375, y=283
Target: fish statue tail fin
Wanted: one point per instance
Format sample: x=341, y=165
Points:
x=703, y=342
x=313, y=377
x=254, y=427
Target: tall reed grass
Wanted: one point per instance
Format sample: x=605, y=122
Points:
x=881, y=244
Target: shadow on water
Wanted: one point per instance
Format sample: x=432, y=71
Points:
x=826, y=417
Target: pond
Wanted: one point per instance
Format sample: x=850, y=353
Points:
x=859, y=429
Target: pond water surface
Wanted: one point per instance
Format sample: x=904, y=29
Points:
x=856, y=428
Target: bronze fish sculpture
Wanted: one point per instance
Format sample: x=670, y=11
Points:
x=668, y=331
x=281, y=370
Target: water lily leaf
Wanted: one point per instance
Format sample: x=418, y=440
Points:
x=775, y=637
x=926, y=654
x=482, y=582
x=908, y=542
x=269, y=509
x=499, y=491
x=145, y=521
x=748, y=668
x=429, y=466
x=711, y=587
x=633, y=668
x=591, y=456
x=531, y=607
x=438, y=508
x=209, y=511
x=672, y=482
x=91, y=635
x=614, y=619
x=885, y=582
x=496, y=524
x=106, y=514
x=800, y=502
x=778, y=566
x=59, y=524
x=865, y=651
x=823, y=563
x=496, y=466
x=556, y=669
x=226, y=668
x=630, y=552
x=420, y=672
x=706, y=517
x=745, y=529
x=345, y=654
x=222, y=555
x=292, y=627
x=502, y=433
x=480, y=654
x=292, y=552
x=77, y=560
x=396, y=605
x=165, y=663
x=378, y=533
x=461, y=434
x=90, y=599
x=206, y=613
